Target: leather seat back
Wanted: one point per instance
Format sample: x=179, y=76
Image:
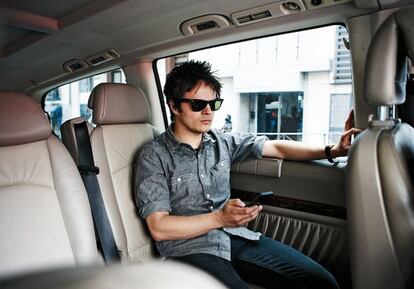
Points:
x=45, y=215
x=381, y=169
x=121, y=114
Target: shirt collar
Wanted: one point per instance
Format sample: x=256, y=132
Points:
x=174, y=143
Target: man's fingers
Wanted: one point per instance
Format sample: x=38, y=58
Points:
x=350, y=132
x=244, y=210
x=239, y=216
x=236, y=202
x=349, y=123
x=251, y=216
x=249, y=211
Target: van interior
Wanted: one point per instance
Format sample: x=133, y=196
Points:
x=81, y=91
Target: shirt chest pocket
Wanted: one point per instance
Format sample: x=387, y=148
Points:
x=184, y=188
x=221, y=177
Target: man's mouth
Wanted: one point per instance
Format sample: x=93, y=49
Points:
x=206, y=121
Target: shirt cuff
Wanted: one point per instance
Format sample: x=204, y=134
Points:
x=258, y=148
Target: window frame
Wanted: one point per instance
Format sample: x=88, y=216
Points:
x=44, y=95
x=162, y=97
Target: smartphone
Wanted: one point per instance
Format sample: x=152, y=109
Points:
x=258, y=199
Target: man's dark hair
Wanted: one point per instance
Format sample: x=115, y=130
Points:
x=188, y=75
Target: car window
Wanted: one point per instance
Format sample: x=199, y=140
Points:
x=71, y=100
x=284, y=86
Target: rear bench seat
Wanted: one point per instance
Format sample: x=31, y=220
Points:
x=121, y=114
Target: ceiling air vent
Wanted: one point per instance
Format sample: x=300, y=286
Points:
x=255, y=16
x=268, y=11
x=102, y=57
x=74, y=65
x=203, y=24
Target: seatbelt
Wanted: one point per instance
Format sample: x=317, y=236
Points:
x=89, y=173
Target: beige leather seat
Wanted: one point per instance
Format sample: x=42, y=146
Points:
x=151, y=275
x=45, y=219
x=381, y=168
x=121, y=114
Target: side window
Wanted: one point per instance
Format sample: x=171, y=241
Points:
x=71, y=100
x=281, y=86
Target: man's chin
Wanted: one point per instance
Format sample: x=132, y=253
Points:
x=203, y=129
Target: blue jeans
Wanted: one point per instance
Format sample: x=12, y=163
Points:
x=267, y=263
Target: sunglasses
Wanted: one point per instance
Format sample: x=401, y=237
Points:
x=200, y=104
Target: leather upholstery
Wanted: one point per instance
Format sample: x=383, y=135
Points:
x=380, y=208
x=380, y=180
x=45, y=217
x=114, y=148
x=386, y=66
x=31, y=125
x=120, y=112
x=396, y=170
x=151, y=275
x=117, y=103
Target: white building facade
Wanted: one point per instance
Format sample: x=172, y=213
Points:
x=296, y=85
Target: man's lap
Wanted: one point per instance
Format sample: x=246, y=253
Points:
x=265, y=262
x=218, y=267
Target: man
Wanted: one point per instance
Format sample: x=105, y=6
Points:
x=183, y=190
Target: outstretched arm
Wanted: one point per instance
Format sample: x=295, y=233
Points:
x=299, y=151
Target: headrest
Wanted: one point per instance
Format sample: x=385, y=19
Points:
x=22, y=120
x=386, y=66
x=116, y=103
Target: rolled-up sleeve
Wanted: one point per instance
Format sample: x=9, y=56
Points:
x=244, y=145
x=151, y=187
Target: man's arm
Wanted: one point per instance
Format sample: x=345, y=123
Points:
x=299, y=151
x=164, y=226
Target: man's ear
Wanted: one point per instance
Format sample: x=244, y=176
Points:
x=174, y=109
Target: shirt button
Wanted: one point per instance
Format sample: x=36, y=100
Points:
x=221, y=164
x=178, y=179
x=202, y=175
x=208, y=196
x=210, y=208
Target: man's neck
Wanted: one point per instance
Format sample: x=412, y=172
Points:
x=188, y=137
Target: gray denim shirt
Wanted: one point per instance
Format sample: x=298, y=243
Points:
x=173, y=177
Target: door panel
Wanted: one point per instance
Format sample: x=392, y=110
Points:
x=315, y=181
x=307, y=212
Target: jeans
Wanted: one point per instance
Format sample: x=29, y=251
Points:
x=267, y=263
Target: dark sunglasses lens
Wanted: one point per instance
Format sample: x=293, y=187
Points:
x=198, y=105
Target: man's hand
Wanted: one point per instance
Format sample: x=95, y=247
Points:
x=235, y=213
x=342, y=147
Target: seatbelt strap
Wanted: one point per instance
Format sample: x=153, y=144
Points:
x=89, y=173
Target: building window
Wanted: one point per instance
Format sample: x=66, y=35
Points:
x=278, y=115
x=117, y=76
x=341, y=104
x=86, y=84
x=342, y=60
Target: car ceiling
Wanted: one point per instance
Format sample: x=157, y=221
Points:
x=37, y=37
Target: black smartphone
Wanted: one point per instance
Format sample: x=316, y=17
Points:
x=258, y=199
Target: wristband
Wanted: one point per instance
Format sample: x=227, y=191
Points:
x=328, y=154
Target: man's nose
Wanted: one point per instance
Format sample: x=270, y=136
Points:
x=207, y=109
